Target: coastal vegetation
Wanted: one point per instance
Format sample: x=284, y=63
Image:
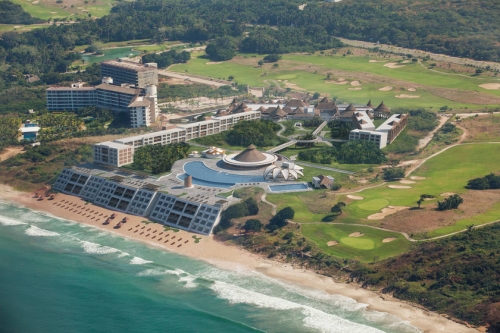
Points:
x=167, y=58
x=159, y=158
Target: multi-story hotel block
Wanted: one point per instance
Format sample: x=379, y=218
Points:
x=141, y=196
x=129, y=72
x=118, y=150
x=384, y=134
x=142, y=104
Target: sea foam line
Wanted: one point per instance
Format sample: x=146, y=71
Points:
x=314, y=318
x=38, y=232
x=94, y=248
x=139, y=261
x=9, y=221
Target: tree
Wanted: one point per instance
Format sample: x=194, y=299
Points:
x=337, y=208
x=280, y=219
x=252, y=225
x=316, y=95
x=260, y=63
x=272, y=58
x=394, y=173
x=451, y=202
x=252, y=206
x=221, y=49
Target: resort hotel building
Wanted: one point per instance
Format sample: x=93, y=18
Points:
x=143, y=196
x=120, y=152
x=126, y=87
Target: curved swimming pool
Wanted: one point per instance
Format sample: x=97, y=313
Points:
x=204, y=176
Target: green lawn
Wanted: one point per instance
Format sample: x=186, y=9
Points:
x=447, y=172
x=46, y=10
x=365, y=248
x=300, y=69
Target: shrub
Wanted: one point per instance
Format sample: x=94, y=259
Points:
x=450, y=203
x=394, y=173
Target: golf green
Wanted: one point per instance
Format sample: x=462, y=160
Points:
x=374, y=204
x=358, y=243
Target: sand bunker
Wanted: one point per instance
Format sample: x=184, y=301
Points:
x=386, y=88
x=400, y=187
x=337, y=82
x=377, y=60
x=412, y=89
x=490, y=86
x=447, y=194
x=355, y=197
x=356, y=234
x=53, y=12
x=332, y=243
x=407, y=181
x=407, y=96
x=34, y=2
x=17, y=26
x=388, y=240
x=355, y=88
x=386, y=211
x=355, y=83
x=417, y=178
x=393, y=65
x=213, y=63
x=406, y=61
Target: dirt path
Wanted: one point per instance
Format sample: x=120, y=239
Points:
x=273, y=206
x=10, y=152
x=208, y=81
x=422, y=143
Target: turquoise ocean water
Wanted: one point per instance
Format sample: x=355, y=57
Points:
x=62, y=276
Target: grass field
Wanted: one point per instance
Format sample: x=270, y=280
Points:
x=367, y=248
x=447, y=172
x=308, y=72
x=46, y=9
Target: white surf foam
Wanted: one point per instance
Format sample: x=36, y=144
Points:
x=37, y=232
x=9, y=221
x=139, y=261
x=189, y=281
x=34, y=217
x=94, y=248
x=123, y=254
x=314, y=318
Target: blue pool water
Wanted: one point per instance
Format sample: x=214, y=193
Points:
x=288, y=187
x=204, y=176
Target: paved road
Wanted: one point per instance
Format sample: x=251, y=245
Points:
x=208, y=81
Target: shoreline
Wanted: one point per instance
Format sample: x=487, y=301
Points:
x=229, y=257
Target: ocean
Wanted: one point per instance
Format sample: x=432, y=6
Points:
x=61, y=276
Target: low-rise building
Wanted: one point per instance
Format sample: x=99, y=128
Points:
x=322, y=181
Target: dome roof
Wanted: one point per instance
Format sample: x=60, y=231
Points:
x=251, y=154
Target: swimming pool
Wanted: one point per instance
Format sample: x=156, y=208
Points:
x=204, y=176
x=289, y=187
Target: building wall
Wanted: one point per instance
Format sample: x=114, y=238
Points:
x=109, y=154
x=160, y=207
x=379, y=138
x=70, y=99
x=122, y=74
x=140, y=116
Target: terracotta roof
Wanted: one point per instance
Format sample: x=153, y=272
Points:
x=326, y=104
x=324, y=180
x=251, y=154
x=295, y=103
x=298, y=110
x=278, y=112
x=382, y=108
x=288, y=109
x=262, y=109
x=119, y=89
x=351, y=108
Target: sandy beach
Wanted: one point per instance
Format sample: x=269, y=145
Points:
x=228, y=257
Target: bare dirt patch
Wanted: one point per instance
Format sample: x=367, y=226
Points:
x=482, y=128
x=332, y=243
x=213, y=63
x=292, y=85
x=447, y=194
x=412, y=89
x=355, y=83
x=356, y=234
x=10, y=152
x=465, y=96
x=386, y=211
x=388, y=240
x=393, y=65
x=490, y=86
x=337, y=82
x=386, y=88
x=399, y=187
x=377, y=60
x=354, y=88
x=407, y=181
x=417, y=178
x=428, y=218
x=354, y=197
x=407, y=96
